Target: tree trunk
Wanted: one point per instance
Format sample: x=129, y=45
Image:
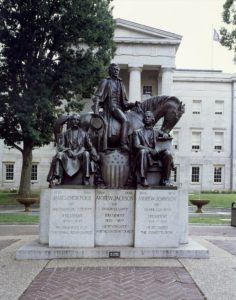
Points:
x=25, y=181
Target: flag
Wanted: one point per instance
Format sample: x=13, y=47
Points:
x=216, y=36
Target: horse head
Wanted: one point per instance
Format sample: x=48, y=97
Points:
x=164, y=106
x=173, y=110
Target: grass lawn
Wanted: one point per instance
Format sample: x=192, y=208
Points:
x=10, y=198
x=209, y=220
x=216, y=200
x=19, y=219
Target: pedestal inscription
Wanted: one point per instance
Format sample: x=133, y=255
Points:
x=72, y=218
x=156, y=219
x=114, y=217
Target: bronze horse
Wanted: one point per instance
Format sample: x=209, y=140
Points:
x=169, y=108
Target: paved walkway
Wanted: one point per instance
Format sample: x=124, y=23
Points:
x=90, y=279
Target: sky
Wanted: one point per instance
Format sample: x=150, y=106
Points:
x=194, y=20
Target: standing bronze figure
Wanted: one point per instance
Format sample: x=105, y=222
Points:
x=111, y=96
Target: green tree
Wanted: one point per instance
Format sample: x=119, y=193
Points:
x=51, y=51
x=228, y=33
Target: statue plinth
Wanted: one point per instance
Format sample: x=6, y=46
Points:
x=91, y=223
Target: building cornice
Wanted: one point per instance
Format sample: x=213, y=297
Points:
x=151, y=35
x=195, y=75
x=200, y=79
x=125, y=40
x=147, y=29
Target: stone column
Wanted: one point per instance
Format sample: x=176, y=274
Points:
x=159, y=83
x=167, y=81
x=233, y=138
x=135, y=83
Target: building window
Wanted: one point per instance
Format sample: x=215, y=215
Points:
x=175, y=141
x=9, y=171
x=197, y=107
x=147, y=90
x=196, y=140
x=174, y=174
x=219, y=141
x=195, y=174
x=219, y=107
x=34, y=172
x=218, y=174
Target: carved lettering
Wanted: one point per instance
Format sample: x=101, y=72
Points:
x=156, y=221
x=72, y=218
x=115, y=217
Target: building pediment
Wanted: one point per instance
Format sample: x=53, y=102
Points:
x=130, y=32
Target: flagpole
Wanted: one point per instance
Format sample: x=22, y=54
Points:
x=212, y=44
x=215, y=38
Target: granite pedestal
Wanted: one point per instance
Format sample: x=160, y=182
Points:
x=83, y=223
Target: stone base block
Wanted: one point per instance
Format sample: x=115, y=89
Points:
x=71, y=221
x=114, y=218
x=157, y=221
x=71, y=217
x=35, y=250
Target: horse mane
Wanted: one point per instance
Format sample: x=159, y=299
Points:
x=152, y=102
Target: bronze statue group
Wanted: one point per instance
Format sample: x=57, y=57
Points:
x=126, y=127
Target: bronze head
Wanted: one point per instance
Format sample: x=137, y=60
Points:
x=113, y=70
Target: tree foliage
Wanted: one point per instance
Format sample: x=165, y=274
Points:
x=51, y=51
x=41, y=62
x=228, y=33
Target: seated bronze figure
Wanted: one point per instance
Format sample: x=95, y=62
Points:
x=74, y=153
x=145, y=141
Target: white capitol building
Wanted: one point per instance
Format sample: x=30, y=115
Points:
x=205, y=137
